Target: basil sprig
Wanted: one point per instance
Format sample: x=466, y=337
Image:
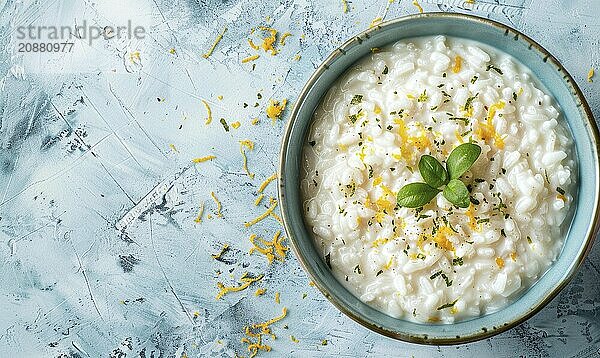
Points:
x=415, y=195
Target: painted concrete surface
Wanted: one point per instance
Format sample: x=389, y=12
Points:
x=100, y=254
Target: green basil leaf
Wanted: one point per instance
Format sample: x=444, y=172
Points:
x=415, y=195
x=432, y=171
x=462, y=158
x=456, y=192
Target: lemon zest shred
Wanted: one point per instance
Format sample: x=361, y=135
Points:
x=250, y=58
x=250, y=145
x=259, y=199
x=208, y=112
x=275, y=109
x=492, y=111
x=376, y=21
x=254, y=47
x=267, y=44
x=283, y=37
x=276, y=217
x=416, y=3
x=277, y=297
x=219, y=206
x=273, y=250
x=345, y=6
x=294, y=339
x=380, y=241
x=261, y=216
x=272, y=320
x=268, y=252
x=221, y=253
x=266, y=182
x=457, y=64
x=247, y=281
x=470, y=213
x=214, y=45
x=260, y=292
x=236, y=125
x=441, y=238
x=389, y=264
x=172, y=146
x=590, y=75
x=203, y=159
x=486, y=130
x=254, y=347
x=198, y=218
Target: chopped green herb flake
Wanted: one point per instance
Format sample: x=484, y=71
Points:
x=357, y=99
x=435, y=275
x=225, y=125
x=357, y=269
x=447, y=305
x=492, y=67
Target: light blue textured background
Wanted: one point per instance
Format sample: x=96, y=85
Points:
x=83, y=139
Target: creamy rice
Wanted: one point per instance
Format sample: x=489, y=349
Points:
x=440, y=263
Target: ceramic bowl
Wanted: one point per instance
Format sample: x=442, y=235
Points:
x=577, y=115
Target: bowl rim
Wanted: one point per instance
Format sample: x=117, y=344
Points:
x=592, y=229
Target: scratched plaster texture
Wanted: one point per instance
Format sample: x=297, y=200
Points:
x=99, y=251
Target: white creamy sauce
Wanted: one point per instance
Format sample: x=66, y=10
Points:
x=440, y=263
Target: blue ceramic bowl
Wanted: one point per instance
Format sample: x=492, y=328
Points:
x=577, y=114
